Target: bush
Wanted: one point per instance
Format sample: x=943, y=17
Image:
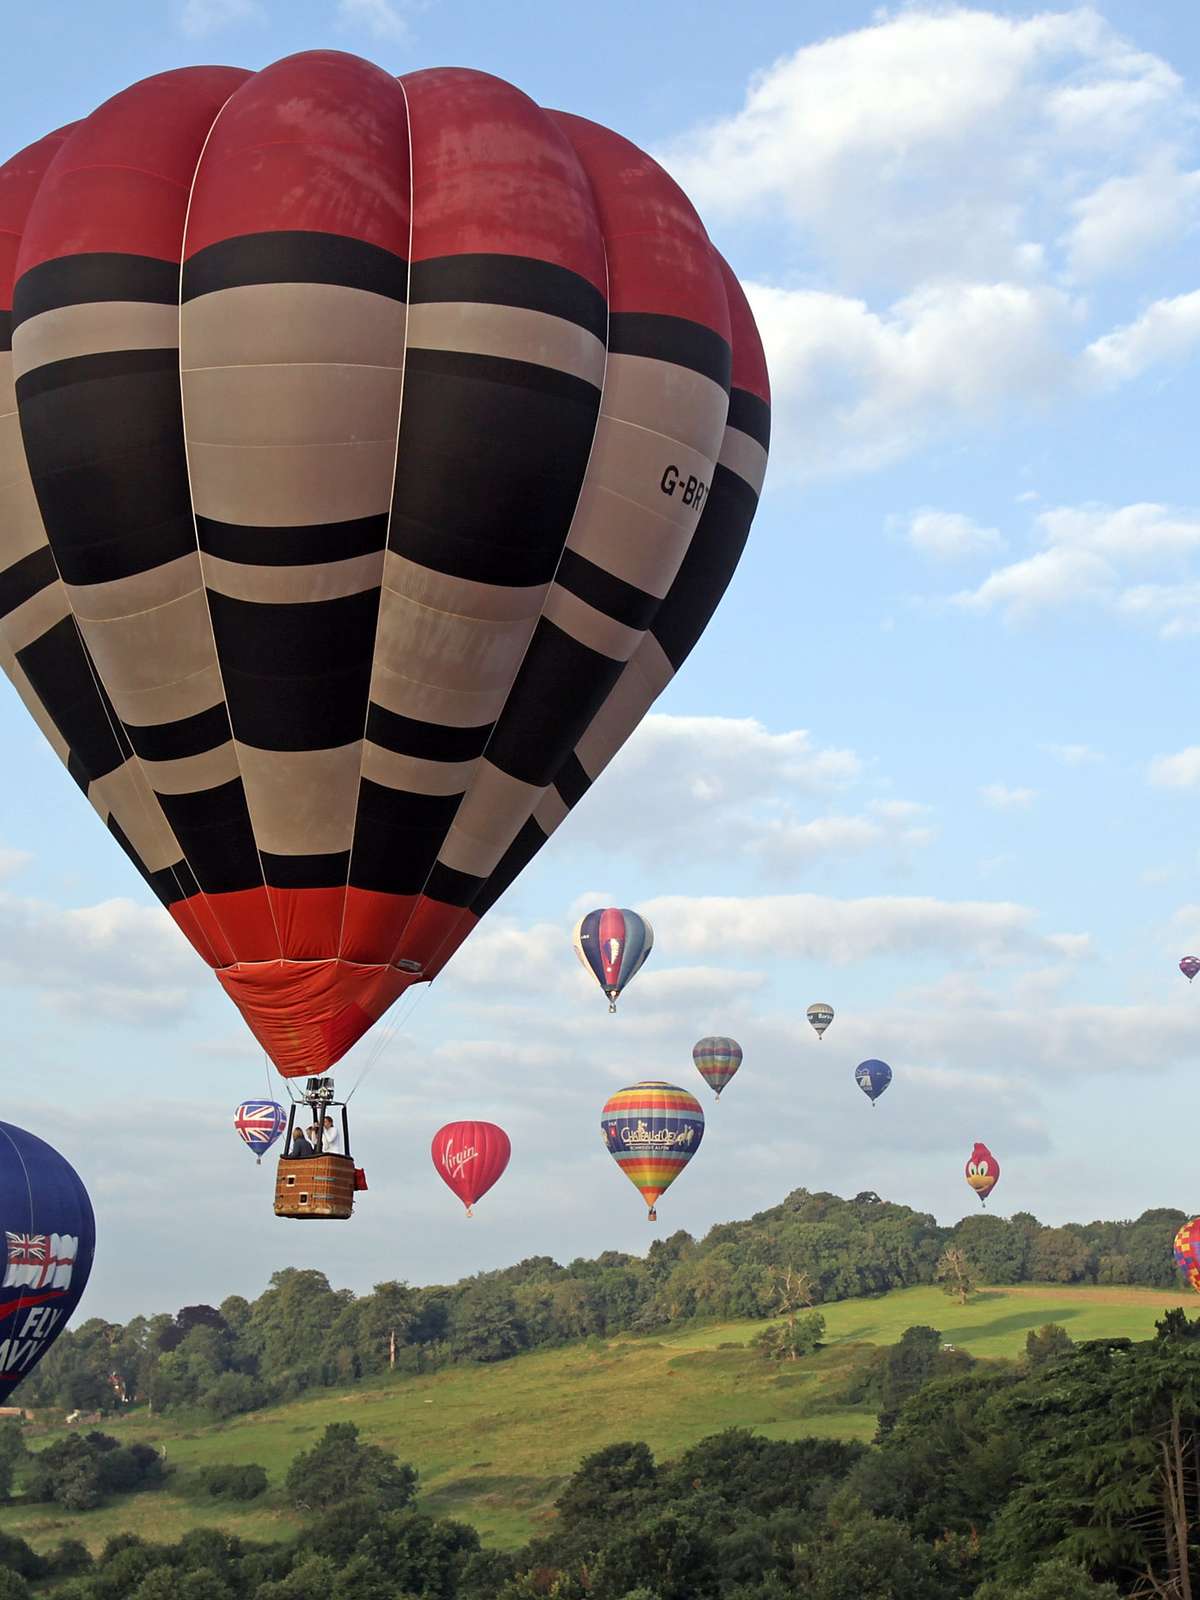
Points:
x=80, y=1470
x=234, y=1482
x=16, y=1556
x=789, y=1339
x=232, y=1395
x=68, y=1558
x=339, y=1467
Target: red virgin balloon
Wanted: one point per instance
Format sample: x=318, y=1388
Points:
x=470, y=1157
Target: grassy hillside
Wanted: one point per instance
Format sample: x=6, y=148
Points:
x=493, y=1444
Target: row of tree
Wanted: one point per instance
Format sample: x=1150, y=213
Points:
x=1068, y=1476
x=302, y=1333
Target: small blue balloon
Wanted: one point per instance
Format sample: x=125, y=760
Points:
x=872, y=1078
x=48, y=1232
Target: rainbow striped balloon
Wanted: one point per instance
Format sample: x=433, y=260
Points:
x=717, y=1059
x=1187, y=1252
x=652, y=1130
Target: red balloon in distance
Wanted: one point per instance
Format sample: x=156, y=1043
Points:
x=469, y=1157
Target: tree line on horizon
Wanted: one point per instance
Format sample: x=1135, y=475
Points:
x=301, y=1333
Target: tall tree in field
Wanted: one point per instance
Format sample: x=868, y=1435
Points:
x=955, y=1274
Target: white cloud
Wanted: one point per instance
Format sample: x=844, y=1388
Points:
x=118, y=959
x=1094, y=555
x=847, y=931
x=382, y=19
x=1125, y=218
x=927, y=144
x=935, y=188
x=12, y=861
x=1166, y=331
x=1180, y=771
x=719, y=788
x=1055, y=577
x=854, y=389
x=1074, y=755
x=949, y=536
x=199, y=18
x=999, y=797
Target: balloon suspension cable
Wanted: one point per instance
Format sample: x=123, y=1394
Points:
x=652, y=1215
x=379, y=1045
x=470, y=1211
x=612, y=1004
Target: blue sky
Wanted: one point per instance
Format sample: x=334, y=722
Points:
x=935, y=760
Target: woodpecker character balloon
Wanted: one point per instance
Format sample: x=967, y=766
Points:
x=983, y=1172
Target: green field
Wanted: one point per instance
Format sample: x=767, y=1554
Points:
x=494, y=1444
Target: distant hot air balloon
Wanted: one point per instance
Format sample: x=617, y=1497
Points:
x=983, y=1172
x=375, y=451
x=613, y=945
x=1187, y=1252
x=652, y=1130
x=872, y=1078
x=820, y=1015
x=469, y=1157
x=49, y=1231
x=1189, y=966
x=717, y=1059
x=259, y=1123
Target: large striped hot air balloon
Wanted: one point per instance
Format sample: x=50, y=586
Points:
x=379, y=449
x=48, y=1234
x=717, y=1059
x=652, y=1130
x=613, y=945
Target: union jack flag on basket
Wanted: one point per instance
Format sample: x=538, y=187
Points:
x=259, y=1123
x=39, y=1260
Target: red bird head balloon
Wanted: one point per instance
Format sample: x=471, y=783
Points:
x=983, y=1172
x=470, y=1157
x=374, y=452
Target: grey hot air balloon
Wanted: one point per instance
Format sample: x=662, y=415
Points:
x=820, y=1015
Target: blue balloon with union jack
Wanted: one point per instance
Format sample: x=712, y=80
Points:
x=259, y=1123
x=48, y=1234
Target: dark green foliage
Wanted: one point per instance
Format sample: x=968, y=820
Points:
x=1052, y=1580
x=1048, y=1343
x=17, y=1556
x=1175, y=1324
x=12, y=1453
x=231, y=1394
x=340, y=1467
x=1039, y=1482
x=234, y=1482
x=79, y=1471
x=68, y=1558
